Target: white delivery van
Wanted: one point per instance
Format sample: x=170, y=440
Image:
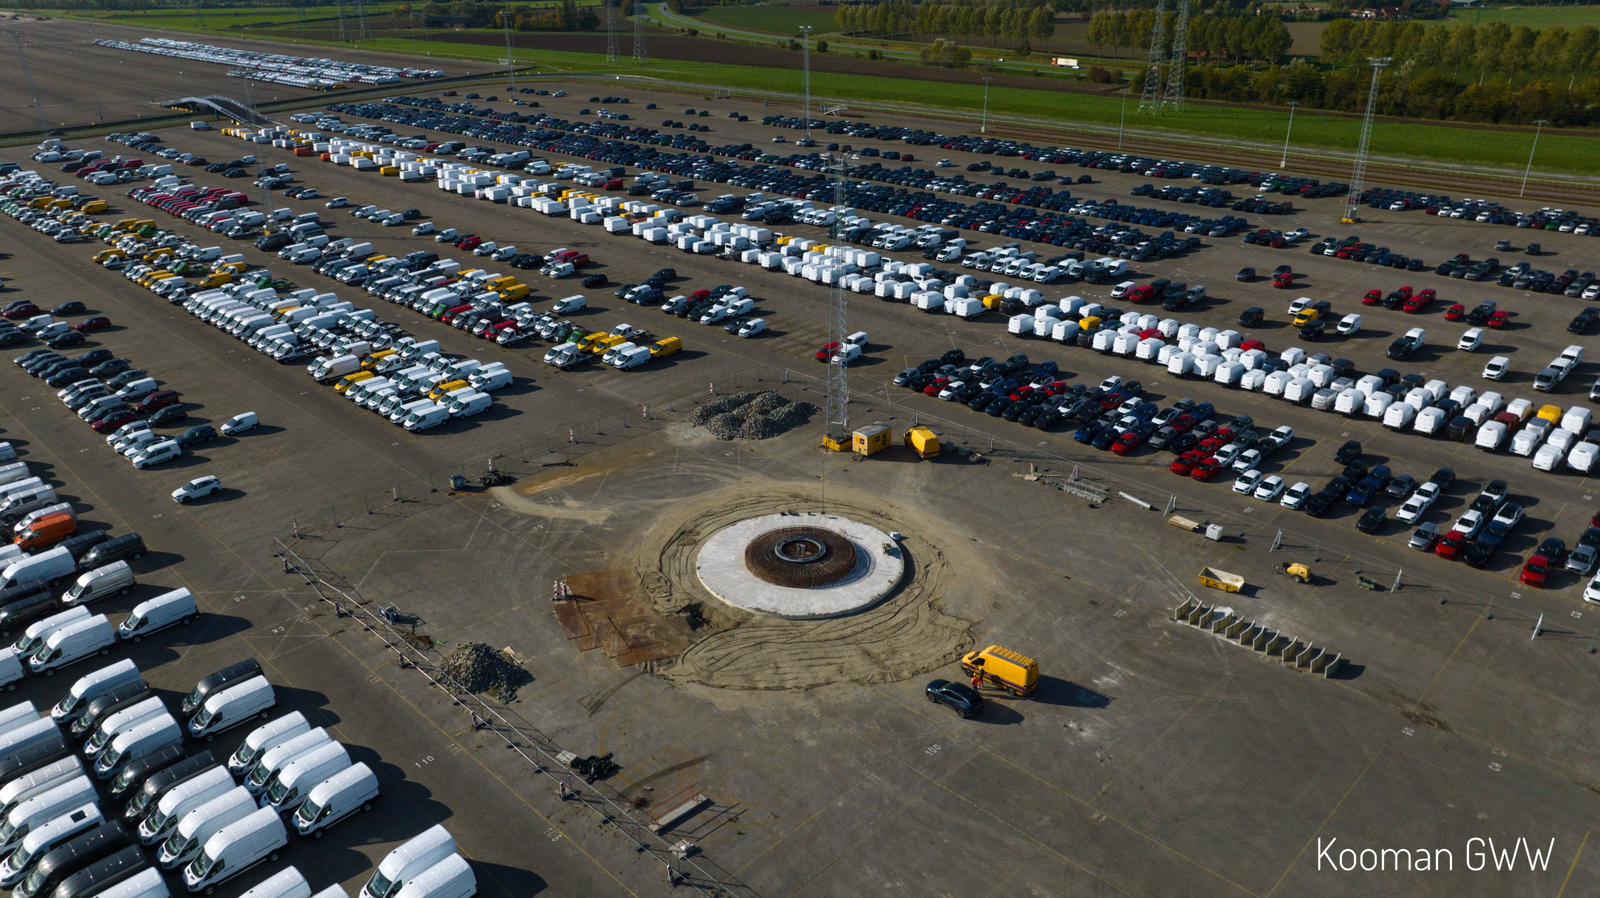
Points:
x=236, y=848
x=203, y=822
x=92, y=685
x=44, y=807
x=146, y=737
x=36, y=633
x=171, y=608
x=37, y=781
x=180, y=800
x=119, y=720
x=299, y=776
x=73, y=643
x=335, y=798
x=450, y=878
x=231, y=707
x=115, y=578
x=147, y=883
x=11, y=669
x=263, y=773
x=17, y=714
x=269, y=735
x=43, y=838
x=407, y=861
x=286, y=883
x=1491, y=436
x=23, y=736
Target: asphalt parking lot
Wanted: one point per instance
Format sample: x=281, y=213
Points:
x=1158, y=763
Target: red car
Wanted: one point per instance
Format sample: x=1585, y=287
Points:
x=1128, y=442
x=1206, y=469
x=1142, y=293
x=97, y=323
x=469, y=242
x=827, y=351
x=1416, y=305
x=935, y=385
x=1372, y=298
x=1404, y=292
x=1248, y=345
x=1283, y=281
x=26, y=310
x=1498, y=319
x=112, y=422
x=1536, y=571
x=156, y=401
x=1185, y=463
x=1451, y=546
x=1455, y=312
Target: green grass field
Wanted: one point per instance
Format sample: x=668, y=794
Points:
x=1531, y=16
x=1567, y=153
x=782, y=20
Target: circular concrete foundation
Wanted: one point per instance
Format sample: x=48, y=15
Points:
x=800, y=566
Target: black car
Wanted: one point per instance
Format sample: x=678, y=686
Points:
x=198, y=435
x=12, y=337
x=26, y=608
x=1401, y=487
x=127, y=547
x=594, y=280
x=1444, y=477
x=65, y=376
x=1252, y=317
x=1554, y=549
x=109, y=367
x=166, y=415
x=67, y=340
x=1478, y=554
x=94, y=357
x=128, y=376
x=1582, y=322
x=80, y=544
x=1245, y=275
x=1349, y=452
x=1371, y=520
x=1318, y=504
x=71, y=307
x=959, y=697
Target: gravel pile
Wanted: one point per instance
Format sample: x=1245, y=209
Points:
x=479, y=668
x=751, y=416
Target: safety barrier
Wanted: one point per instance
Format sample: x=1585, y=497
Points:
x=1294, y=653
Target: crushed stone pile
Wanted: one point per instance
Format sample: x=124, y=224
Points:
x=751, y=416
x=479, y=668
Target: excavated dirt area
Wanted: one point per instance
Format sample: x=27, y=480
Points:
x=907, y=634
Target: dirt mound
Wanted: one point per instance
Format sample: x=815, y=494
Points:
x=751, y=416
x=478, y=668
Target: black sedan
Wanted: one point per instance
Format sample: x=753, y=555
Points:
x=71, y=307
x=958, y=697
x=197, y=435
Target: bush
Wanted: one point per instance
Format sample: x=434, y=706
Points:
x=822, y=46
x=1099, y=74
x=945, y=53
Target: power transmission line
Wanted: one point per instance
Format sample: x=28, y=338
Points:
x=1353, y=202
x=511, y=65
x=1173, y=99
x=805, y=56
x=838, y=373
x=27, y=72
x=611, y=32
x=1150, y=100
x=638, y=32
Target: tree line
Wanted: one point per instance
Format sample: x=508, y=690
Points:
x=1225, y=37
x=565, y=15
x=1018, y=22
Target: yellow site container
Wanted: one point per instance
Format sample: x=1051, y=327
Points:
x=870, y=440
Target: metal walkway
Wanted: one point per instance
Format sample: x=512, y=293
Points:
x=223, y=106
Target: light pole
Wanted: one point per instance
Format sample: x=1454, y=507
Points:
x=1123, y=121
x=805, y=51
x=1284, y=162
x=1538, y=124
x=983, y=125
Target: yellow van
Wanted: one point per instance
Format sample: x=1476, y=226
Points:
x=666, y=346
x=1551, y=413
x=106, y=255
x=514, y=292
x=389, y=171
x=495, y=283
x=95, y=207
x=1004, y=668
x=449, y=386
x=371, y=362
x=350, y=380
